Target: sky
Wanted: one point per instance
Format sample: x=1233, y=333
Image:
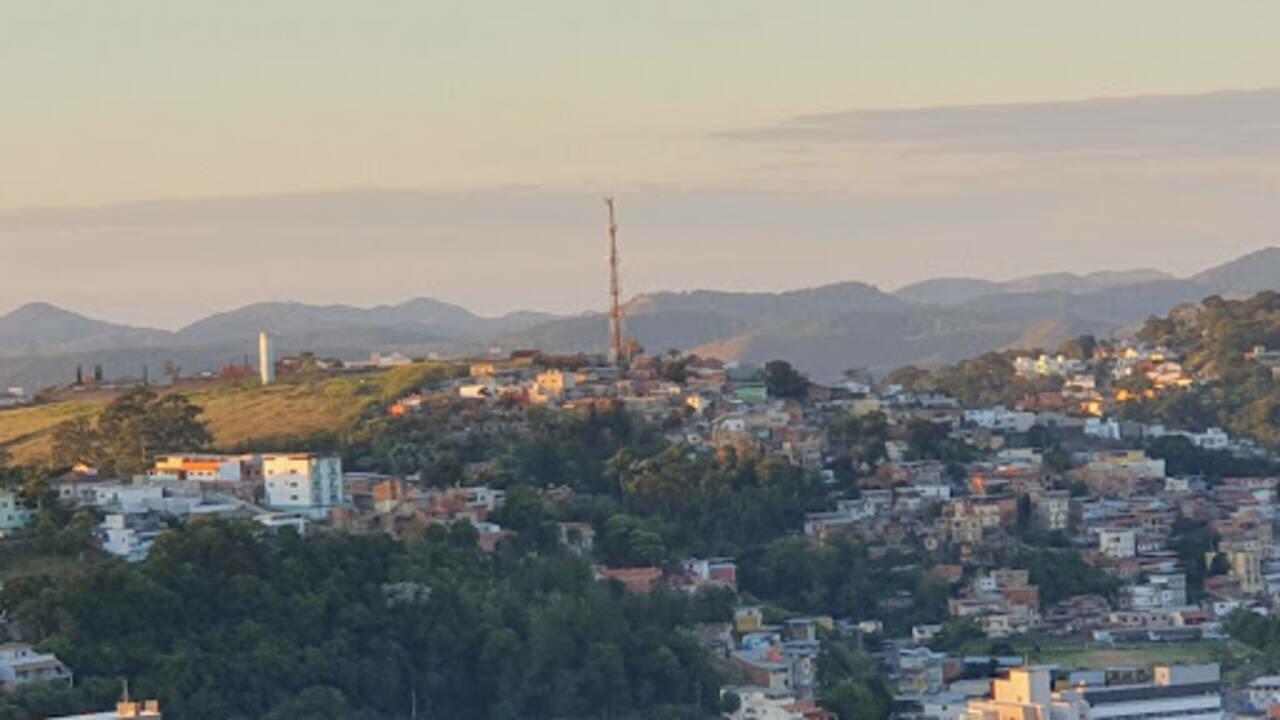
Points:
x=161, y=160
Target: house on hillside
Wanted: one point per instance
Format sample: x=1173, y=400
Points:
x=20, y=665
x=13, y=516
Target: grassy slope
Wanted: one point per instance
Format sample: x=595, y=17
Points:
x=238, y=413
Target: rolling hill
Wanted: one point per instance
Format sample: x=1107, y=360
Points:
x=41, y=328
x=956, y=291
x=1245, y=275
x=828, y=329
x=822, y=330
x=42, y=345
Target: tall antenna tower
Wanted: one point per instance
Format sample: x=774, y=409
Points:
x=617, y=354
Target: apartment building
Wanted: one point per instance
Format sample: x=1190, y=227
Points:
x=304, y=482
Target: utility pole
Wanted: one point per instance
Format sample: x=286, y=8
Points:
x=617, y=354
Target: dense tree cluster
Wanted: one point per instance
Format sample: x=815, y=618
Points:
x=221, y=622
x=1061, y=573
x=130, y=431
x=784, y=381
x=1259, y=632
x=843, y=579
x=988, y=379
x=1184, y=458
x=1215, y=340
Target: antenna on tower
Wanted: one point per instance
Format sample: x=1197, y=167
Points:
x=617, y=353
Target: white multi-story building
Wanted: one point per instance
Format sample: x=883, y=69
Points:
x=304, y=483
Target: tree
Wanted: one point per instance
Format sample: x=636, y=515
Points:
x=173, y=371
x=674, y=367
x=318, y=703
x=140, y=423
x=784, y=381
x=911, y=378
x=74, y=441
x=1061, y=573
x=363, y=626
x=1192, y=541
x=857, y=701
x=1079, y=348
x=859, y=375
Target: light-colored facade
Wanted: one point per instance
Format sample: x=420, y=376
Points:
x=1118, y=543
x=266, y=358
x=209, y=468
x=12, y=515
x=20, y=664
x=125, y=710
x=129, y=537
x=757, y=703
x=1188, y=692
x=1264, y=692
x=304, y=482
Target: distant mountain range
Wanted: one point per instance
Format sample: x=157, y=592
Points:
x=823, y=330
x=829, y=329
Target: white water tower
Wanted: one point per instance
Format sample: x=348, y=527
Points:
x=266, y=358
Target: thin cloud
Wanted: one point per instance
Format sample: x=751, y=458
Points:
x=1234, y=122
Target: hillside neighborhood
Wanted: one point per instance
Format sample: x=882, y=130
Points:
x=1029, y=511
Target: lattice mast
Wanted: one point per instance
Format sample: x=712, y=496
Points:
x=617, y=352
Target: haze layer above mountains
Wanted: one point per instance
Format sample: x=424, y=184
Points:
x=823, y=330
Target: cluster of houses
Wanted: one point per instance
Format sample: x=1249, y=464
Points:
x=1081, y=388
x=275, y=490
x=1111, y=501
x=778, y=664
x=1103, y=495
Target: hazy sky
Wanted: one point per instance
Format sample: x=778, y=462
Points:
x=752, y=144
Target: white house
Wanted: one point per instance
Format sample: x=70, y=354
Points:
x=129, y=536
x=1045, y=365
x=12, y=515
x=20, y=665
x=277, y=520
x=1000, y=419
x=1118, y=543
x=127, y=498
x=1264, y=692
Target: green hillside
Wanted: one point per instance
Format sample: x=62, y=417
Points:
x=237, y=413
